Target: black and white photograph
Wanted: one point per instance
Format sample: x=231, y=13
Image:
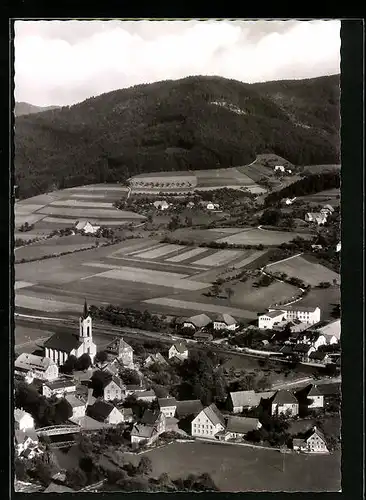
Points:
x=177, y=248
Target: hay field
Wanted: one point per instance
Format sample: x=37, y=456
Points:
x=309, y=272
x=219, y=258
x=54, y=246
x=157, y=252
x=256, y=236
x=187, y=255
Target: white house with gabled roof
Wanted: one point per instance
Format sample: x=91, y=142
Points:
x=269, y=319
x=178, y=350
x=225, y=322
x=208, y=422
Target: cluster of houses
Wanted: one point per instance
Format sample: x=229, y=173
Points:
x=321, y=217
x=281, y=169
x=306, y=333
x=201, y=324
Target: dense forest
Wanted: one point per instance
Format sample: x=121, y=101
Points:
x=189, y=124
x=310, y=184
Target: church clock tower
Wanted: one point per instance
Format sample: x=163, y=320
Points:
x=85, y=333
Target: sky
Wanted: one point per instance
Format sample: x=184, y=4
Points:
x=65, y=62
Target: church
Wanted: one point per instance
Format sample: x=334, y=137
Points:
x=60, y=346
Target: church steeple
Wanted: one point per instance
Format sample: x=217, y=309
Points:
x=86, y=310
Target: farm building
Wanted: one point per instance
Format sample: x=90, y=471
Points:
x=314, y=339
x=319, y=357
x=114, y=389
x=58, y=387
x=157, y=358
x=308, y=315
x=314, y=442
x=338, y=247
x=225, y=322
x=268, y=320
x=179, y=350
x=59, y=347
x=208, y=422
x=285, y=402
x=198, y=321
x=327, y=208
x=86, y=227
x=289, y=201
x=212, y=206
x=245, y=400
x=168, y=406
x=23, y=420
x=316, y=397
x=316, y=247
x=161, y=205
x=104, y=412
x=78, y=406
x=33, y=366
x=122, y=350
x=27, y=443
x=238, y=427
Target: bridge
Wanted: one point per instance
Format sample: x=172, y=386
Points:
x=55, y=430
x=62, y=444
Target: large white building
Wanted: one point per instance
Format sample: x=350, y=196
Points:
x=307, y=315
x=60, y=346
x=23, y=420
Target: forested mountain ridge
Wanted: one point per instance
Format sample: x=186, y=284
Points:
x=24, y=108
x=189, y=124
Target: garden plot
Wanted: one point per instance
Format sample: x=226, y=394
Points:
x=309, y=272
x=187, y=255
x=201, y=307
x=152, y=277
x=219, y=258
x=158, y=252
x=261, y=237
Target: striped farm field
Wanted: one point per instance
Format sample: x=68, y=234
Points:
x=30, y=218
x=187, y=255
x=152, y=277
x=79, y=203
x=42, y=304
x=257, y=236
x=219, y=258
x=309, y=272
x=160, y=251
x=88, y=212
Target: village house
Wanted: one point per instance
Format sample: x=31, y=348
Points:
x=316, y=247
x=60, y=346
x=245, y=400
x=190, y=204
x=155, y=358
x=331, y=331
x=315, y=396
x=285, y=403
x=27, y=444
x=238, y=427
x=114, y=389
x=168, y=406
x=268, y=320
x=127, y=414
x=208, y=422
x=161, y=204
x=314, y=442
x=77, y=405
x=314, y=339
x=225, y=322
x=58, y=388
x=153, y=423
x=327, y=209
x=318, y=218
x=303, y=351
x=133, y=389
x=212, y=206
x=23, y=420
x=179, y=350
x=289, y=201
x=338, y=246
x=155, y=418
x=104, y=412
x=111, y=367
x=279, y=168
x=32, y=366
x=123, y=351
x=148, y=395
x=197, y=322
x=86, y=227
x=320, y=357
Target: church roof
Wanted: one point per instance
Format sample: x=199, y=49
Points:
x=63, y=342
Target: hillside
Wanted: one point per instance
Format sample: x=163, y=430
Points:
x=24, y=108
x=189, y=124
